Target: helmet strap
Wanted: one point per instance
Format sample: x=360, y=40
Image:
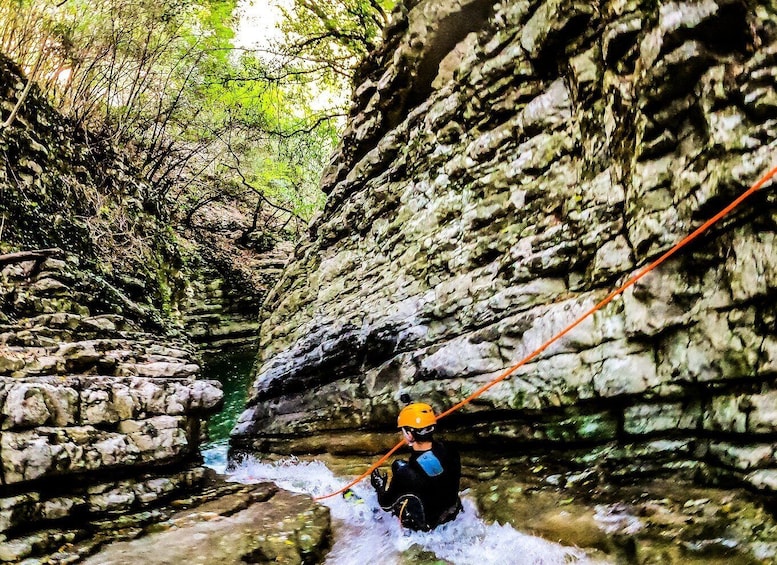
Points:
x=423, y=434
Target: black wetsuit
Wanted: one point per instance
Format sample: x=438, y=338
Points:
x=424, y=491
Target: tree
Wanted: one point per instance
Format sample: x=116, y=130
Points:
x=204, y=121
x=334, y=33
x=161, y=78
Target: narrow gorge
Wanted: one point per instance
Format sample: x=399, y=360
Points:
x=106, y=322
x=504, y=167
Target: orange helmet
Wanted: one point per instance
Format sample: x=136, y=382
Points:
x=417, y=415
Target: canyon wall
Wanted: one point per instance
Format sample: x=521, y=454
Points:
x=507, y=164
x=97, y=417
x=224, y=293
x=101, y=408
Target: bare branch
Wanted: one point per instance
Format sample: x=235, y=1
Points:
x=236, y=168
x=30, y=80
x=36, y=254
x=312, y=127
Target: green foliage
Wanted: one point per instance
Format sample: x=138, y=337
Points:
x=204, y=122
x=335, y=32
x=161, y=78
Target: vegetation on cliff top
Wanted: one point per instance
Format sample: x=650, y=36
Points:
x=126, y=125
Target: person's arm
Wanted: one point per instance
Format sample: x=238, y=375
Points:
x=400, y=483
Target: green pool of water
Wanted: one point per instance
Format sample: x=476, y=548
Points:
x=233, y=370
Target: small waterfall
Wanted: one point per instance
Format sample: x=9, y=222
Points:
x=363, y=533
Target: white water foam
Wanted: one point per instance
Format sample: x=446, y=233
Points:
x=365, y=534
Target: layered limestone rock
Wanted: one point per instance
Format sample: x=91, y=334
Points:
x=506, y=165
x=220, y=523
x=97, y=417
x=61, y=186
x=101, y=405
x=221, y=312
x=64, y=187
x=230, y=524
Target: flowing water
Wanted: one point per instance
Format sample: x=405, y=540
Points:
x=658, y=522
x=363, y=533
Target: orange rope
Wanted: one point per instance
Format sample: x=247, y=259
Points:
x=630, y=282
x=682, y=243
x=375, y=465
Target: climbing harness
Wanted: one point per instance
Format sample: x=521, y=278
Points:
x=411, y=513
x=598, y=306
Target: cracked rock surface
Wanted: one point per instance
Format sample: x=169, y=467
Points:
x=505, y=166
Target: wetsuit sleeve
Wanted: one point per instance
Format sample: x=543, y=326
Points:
x=402, y=481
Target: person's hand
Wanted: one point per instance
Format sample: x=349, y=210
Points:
x=378, y=480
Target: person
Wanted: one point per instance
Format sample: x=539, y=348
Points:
x=424, y=490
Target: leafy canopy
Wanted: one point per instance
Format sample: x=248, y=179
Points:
x=207, y=121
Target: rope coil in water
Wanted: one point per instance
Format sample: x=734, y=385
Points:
x=598, y=306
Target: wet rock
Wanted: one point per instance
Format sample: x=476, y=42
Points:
x=72, y=420
x=257, y=524
x=653, y=522
x=646, y=419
